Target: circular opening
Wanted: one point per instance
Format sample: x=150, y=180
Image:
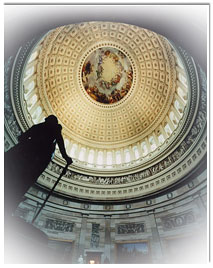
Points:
x=107, y=75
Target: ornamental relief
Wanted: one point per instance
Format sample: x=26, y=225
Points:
x=59, y=225
x=95, y=236
x=131, y=228
x=178, y=220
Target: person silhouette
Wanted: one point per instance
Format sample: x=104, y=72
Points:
x=26, y=161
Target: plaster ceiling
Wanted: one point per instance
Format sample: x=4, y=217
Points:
x=151, y=80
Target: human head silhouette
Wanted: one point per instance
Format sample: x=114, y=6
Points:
x=51, y=119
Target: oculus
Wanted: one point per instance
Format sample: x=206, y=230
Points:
x=107, y=75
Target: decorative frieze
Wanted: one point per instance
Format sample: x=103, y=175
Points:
x=131, y=228
x=59, y=225
x=178, y=220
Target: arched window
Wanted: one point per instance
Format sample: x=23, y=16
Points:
x=178, y=107
x=66, y=143
x=136, y=152
x=173, y=118
x=29, y=73
x=91, y=156
x=82, y=154
x=182, y=79
x=161, y=139
x=182, y=94
x=109, y=158
x=118, y=157
x=33, y=56
x=73, y=150
x=168, y=129
x=144, y=148
x=32, y=100
x=179, y=63
x=37, y=113
x=127, y=156
x=29, y=87
x=100, y=158
x=152, y=143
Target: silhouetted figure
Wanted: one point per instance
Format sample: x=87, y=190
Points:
x=25, y=162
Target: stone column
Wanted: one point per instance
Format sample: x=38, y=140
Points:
x=112, y=238
x=155, y=243
x=82, y=237
x=107, y=244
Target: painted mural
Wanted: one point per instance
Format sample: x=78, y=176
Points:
x=107, y=75
x=133, y=253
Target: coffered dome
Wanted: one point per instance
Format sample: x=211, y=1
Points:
x=131, y=103
x=119, y=91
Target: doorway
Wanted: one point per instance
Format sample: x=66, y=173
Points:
x=93, y=257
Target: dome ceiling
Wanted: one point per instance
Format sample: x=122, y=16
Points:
x=117, y=89
x=61, y=78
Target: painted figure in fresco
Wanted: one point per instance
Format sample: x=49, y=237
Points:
x=25, y=162
x=103, y=86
